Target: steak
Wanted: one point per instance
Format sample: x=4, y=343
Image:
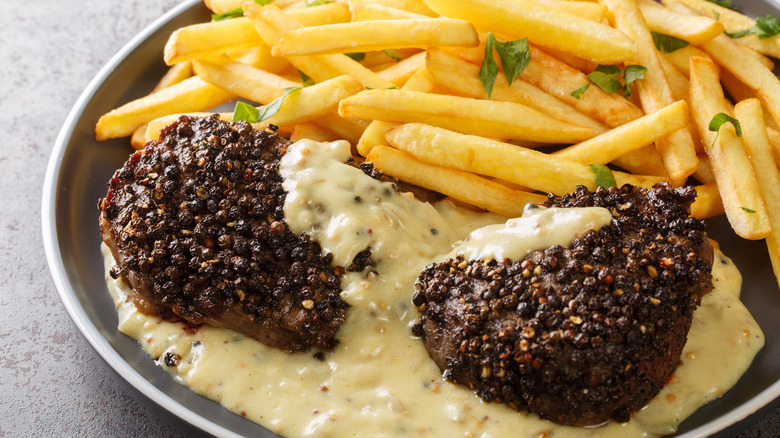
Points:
x=196, y=225
x=577, y=335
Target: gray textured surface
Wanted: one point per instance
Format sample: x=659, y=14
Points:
x=51, y=381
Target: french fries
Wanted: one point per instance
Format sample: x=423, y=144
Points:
x=750, y=114
x=633, y=135
x=695, y=30
x=374, y=134
x=542, y=25
x=733, y=172
x=303, y=106
x=529, y=168
x=192, y=94
x=463, y=186
x=365, y=36
x=676, y=149
x=221, y=37
x=242, y=80
x=454, y=73
x=415, y=6
x=733, y=21
x=406, y=83
x=271, y=23
x=472, y=116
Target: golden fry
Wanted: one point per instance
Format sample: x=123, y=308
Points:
x=242, y=80
x=460, y=185
x=733, y=21
x=305, y=105
x=192, y=94
x=374, y=133
x=312, y=131
x=542, y=25
x=733, y=172
x=747, y=69
x=472, y=116
x=399, y=72
x=529, y=168
x=370, y=12
x=750, y=114
x=415, y=6
x=634, y=135
x=677, y=150
x=460, y=76
x=708, y=202
x=271, y=22
x=695, y=30
x=365, y=36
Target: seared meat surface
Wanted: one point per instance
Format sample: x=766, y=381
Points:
x=196, y=225
x=577, y=335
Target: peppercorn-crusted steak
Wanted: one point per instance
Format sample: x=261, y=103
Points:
x=195, y=222
x=577, y=335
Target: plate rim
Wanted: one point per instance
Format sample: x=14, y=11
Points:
x=54, y=254
x=101, y=345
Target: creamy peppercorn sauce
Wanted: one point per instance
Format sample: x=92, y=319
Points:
x=379, y=380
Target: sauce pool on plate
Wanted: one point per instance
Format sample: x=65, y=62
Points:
x=379, y=379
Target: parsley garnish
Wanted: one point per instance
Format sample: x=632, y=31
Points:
x=245, y=112
x=237, y=12
x=514, y=57
x=578, y=92
x=310, y=3
x=233, y=13
x=305, y=79
x=250, y=114
x=357, y=56
x=606, y=77
x=765, y=27
x=667, y=43
x=749, y=210
x=393, y=54
x=602, y=175
x=718, y=120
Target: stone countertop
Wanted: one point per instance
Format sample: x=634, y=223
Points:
x=52, y=381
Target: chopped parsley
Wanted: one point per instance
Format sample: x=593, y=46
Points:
x=245, y=112
x=718, y=120
x=357, y=56
x=765, y=27
x=250, y=114
x=667, y=43
x=578, y=92
x=393, y=54
x=602, y=175
x=233, y=13
x=749, y=210
x=514, y=57
x=606, y=77
x=305, y=79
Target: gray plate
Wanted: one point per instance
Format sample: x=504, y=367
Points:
x=76, y=178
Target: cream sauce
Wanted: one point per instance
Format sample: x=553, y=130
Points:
x=379, y=380
x=538, y=228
